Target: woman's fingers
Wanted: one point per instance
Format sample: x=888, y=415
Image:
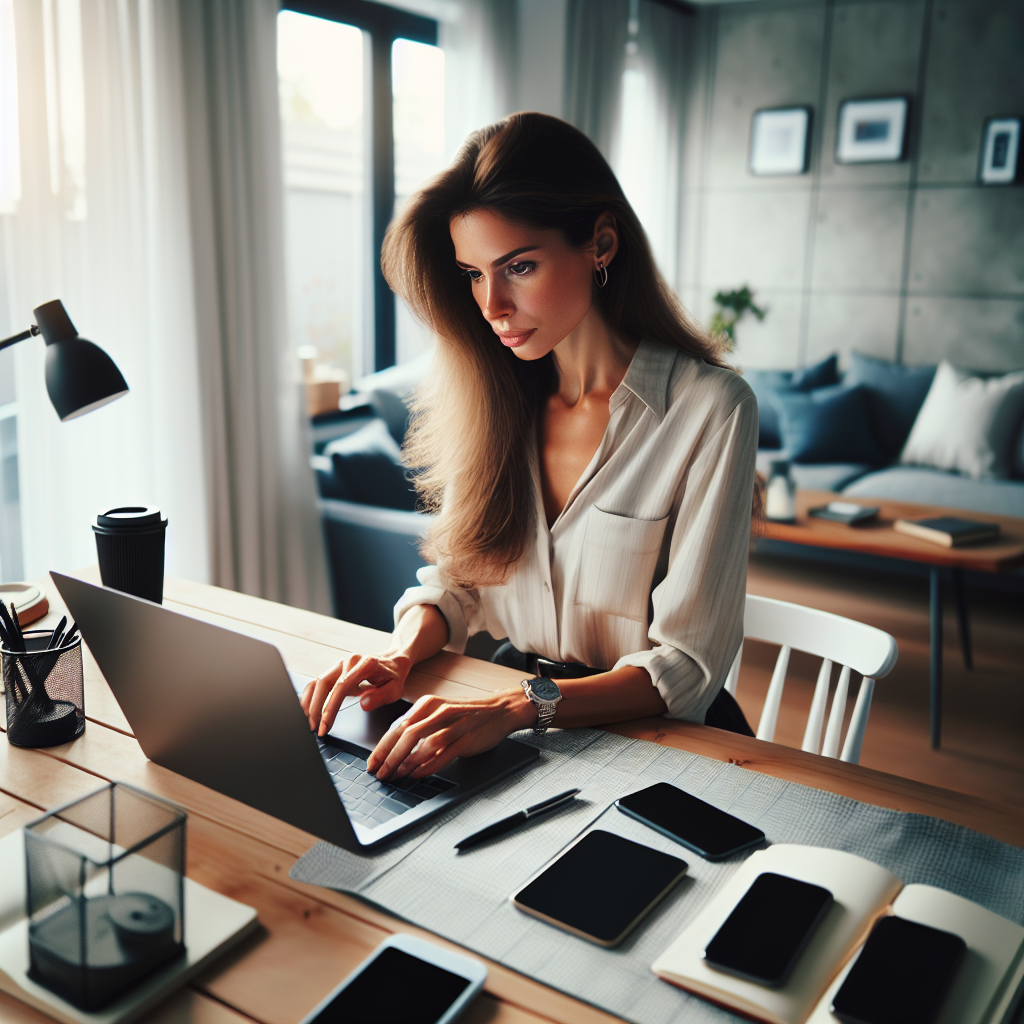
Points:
x=434, y=733
x=357, y=669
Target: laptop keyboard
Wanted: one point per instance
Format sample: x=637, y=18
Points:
x=369, y=801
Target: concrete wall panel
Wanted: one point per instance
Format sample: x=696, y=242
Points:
x=750, y=241
x=980, y=334
x=768, y=56
x=874, y=52
x=974, y=72
x=858, y=240
x=963, y=293
x=774, y=341
x=968, y=240
x=852, y=323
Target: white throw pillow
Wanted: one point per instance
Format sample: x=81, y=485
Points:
x=966, y=424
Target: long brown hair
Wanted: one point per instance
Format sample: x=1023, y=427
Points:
x=474, y=418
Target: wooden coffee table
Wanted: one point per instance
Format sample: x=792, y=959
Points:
x=879, y=538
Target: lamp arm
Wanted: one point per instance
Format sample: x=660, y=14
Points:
x=15, y=338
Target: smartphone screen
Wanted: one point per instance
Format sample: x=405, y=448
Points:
x=709, y=832
x=903, y=973
x=396, y=988
x=601, y=886
x=762, y=939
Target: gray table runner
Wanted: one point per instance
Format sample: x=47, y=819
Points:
x=464, y=897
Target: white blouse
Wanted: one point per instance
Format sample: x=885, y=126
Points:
x=647, y=563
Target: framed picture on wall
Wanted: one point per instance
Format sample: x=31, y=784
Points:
x=778, y=140
x=872, y=130
x=1000, y=148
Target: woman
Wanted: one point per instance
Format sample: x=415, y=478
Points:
x=589, y=456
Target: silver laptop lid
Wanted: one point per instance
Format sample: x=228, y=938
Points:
x=210, y=704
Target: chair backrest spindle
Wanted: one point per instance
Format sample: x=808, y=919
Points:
x=816, y=718
x=838, y=641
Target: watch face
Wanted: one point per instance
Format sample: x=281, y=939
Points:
x=545, y=689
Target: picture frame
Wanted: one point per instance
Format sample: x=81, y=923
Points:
x=1000, y=151
x=872, y=130
x=779, y=138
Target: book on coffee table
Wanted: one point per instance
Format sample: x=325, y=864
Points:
x=981, y=989
x=949, y=531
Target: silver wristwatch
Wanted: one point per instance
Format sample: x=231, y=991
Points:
x=545, y=694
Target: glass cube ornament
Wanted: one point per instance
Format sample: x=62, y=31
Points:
x=104, y=893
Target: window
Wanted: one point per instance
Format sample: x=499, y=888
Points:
x=362, y=112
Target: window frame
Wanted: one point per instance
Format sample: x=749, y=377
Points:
x=383, y=24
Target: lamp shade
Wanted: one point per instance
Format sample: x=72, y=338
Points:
x=80, y=376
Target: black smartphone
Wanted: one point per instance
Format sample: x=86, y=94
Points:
x=600, y=887
x=709, y=832
x=768, y=930
x=404, y=981
x=903, y=974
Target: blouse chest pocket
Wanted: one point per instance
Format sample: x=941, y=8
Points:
x=617, y=565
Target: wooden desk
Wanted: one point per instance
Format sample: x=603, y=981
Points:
x=879, y=538
x=311, y=937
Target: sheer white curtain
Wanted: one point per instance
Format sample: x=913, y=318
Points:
x=265, y=535
x=150, y=202
x=101, y=222
x=647, y=155
x=626, y=68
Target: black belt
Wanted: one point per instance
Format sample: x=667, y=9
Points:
x=541, y=666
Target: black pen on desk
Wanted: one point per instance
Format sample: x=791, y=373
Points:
x=514, y=820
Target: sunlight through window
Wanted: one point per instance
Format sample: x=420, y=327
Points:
x=321, y=75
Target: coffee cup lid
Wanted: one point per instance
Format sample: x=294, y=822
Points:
x=129, y=515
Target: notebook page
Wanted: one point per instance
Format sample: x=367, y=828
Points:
x=861, y=890
x=994, y=945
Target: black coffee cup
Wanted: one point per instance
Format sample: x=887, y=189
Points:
x=130, y=545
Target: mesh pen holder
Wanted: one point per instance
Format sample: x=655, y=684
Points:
x=44, y=691
x=104, y=894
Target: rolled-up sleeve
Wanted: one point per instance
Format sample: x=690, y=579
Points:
x=460, y=608
x=697, y=625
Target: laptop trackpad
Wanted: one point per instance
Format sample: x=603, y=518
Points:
x=364, y=729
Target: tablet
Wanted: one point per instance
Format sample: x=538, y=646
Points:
x=600, y=887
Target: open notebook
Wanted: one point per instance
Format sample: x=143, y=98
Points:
x=982, y=991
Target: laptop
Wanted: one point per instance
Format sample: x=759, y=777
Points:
x=221, y=709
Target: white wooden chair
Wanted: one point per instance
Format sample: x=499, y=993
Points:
x=837, y=640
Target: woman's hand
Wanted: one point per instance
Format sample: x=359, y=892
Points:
x=436, y=730
x=380, y=678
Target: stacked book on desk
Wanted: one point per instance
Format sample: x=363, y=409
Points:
x=982, y=988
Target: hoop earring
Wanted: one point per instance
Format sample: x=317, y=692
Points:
x=601, y=275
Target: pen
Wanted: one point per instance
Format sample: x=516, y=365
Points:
x=509, y=823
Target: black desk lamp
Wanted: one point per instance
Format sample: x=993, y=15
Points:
x=80, y=376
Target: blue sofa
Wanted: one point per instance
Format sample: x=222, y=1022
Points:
x=866, y=436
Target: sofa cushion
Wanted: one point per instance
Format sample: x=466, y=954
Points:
x=932, y=487
x=765, y=383
x=820, y=375
x=368, y=468
x=967, y=424
x=894, y=394
x=827, y=425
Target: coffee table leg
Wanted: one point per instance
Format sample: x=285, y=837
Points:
x=936, y=656
x=961, y=615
